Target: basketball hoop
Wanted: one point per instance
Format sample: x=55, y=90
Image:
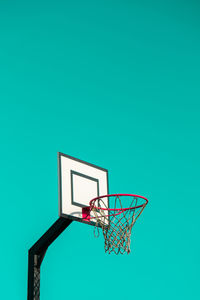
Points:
x=116, y=214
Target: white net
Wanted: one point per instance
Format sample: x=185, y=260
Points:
x=117, y=222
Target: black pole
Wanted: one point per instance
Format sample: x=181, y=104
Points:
x=37, y=252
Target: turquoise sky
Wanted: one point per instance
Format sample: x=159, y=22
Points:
x=114, y=83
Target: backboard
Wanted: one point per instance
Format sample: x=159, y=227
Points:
x=79, y=182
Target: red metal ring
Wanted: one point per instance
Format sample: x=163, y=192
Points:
x=117, y=209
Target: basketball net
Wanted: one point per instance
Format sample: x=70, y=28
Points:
x=117, y=222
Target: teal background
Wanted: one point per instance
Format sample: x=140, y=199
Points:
x=114, y=83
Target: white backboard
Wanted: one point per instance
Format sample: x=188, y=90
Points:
x=79, y=182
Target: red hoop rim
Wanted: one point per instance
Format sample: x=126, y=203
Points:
x=91, y=204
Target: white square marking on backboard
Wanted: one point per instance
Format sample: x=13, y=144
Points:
x=83, y=189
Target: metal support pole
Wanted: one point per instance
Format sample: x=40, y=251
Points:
x=36, y=255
